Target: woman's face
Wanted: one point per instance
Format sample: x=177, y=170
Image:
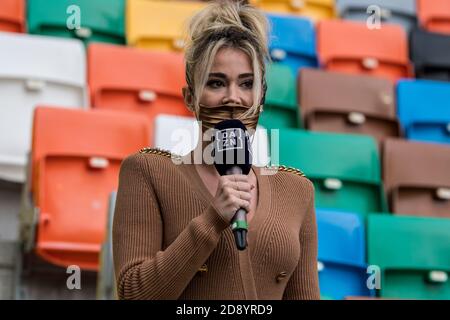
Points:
x=230, y=79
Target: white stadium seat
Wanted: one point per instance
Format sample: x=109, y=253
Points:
x=34, y=70
x=179, y=135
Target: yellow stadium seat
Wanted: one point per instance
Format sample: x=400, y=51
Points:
x=315, y=9
x=159, y=24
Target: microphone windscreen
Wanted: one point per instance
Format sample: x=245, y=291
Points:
x=231, y=147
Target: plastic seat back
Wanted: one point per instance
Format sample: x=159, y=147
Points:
x=424, y=110
x=142, y=81
x=159, y=24
x=417, y=177
x=413, y=254
x=430, y=53
x=76, y=157
x=342, y=254
x=344, y=168
x=87, y=20
x=356, y=104
x=292, y=41
x=12, y=15
x=401, y=12
x=351, y=47
x=314, y=9
x=434, y=15
x=34, y=70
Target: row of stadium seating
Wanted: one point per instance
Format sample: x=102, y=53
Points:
x=104, y=20
x=54, y=71
x=341, y=45
x=408, y=257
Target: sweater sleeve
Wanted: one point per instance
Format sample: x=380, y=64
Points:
x=143, y=269
x=304, y=282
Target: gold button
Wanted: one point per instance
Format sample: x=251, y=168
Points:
x=203, y=268
x=281, y=276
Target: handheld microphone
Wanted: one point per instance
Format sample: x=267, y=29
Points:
x=232, y=156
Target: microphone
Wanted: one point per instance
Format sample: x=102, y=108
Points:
x=232, y=156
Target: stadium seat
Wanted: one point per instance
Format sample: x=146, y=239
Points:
x=100, y=20
x=402, y=12
x=351, y=47
x=434, y=15
x=34, y=70
x=71, y=179
x=177, y=134
x=417, y=177
x=346, y=103
x=342, y=254
x=315, y=9
x=344, y=168
x=159, y=24
x=292, y=41
x=424, y=110
x=430, y=53
x=280, y=108
x=141, y=81
x=12, y=15
x=413, y=254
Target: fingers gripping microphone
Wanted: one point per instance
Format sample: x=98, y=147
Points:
x=232, y=156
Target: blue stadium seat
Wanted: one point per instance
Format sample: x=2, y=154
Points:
x=342, y=255
x=293, y=41
x=424, y=110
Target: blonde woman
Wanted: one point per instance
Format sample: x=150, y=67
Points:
x=172, y=237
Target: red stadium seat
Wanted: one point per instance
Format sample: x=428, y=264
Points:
x=136, y=80
x=76, y=155
x=434, y=15
x=12, y=15
x=351, y=47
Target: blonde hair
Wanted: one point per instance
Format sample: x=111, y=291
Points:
x=226, y=24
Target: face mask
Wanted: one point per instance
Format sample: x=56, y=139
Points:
x=210, y=116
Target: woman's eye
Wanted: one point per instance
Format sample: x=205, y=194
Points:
x=248, y=84
x=214, y=83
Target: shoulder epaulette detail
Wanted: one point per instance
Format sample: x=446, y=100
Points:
x=292, y=169
x=288, y=169
x=161, y=152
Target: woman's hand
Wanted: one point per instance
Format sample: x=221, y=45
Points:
x=233, y=192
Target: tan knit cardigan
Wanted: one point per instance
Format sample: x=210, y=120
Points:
x=169, y=242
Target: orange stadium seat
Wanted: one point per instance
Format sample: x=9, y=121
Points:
x=12, y=15
x=76, y=155
x=434, y=15
x=135, y=80
x=351, y=47
x=417, y=178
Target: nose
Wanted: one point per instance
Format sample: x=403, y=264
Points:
x=232, y=95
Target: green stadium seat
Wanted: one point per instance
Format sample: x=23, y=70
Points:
x=344, y=168
x=413, y=254
x=100, y=20
x=280, y=108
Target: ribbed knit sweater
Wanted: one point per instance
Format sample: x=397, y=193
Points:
x=170, y=242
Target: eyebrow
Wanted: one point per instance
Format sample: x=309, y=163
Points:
x=224, y=76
